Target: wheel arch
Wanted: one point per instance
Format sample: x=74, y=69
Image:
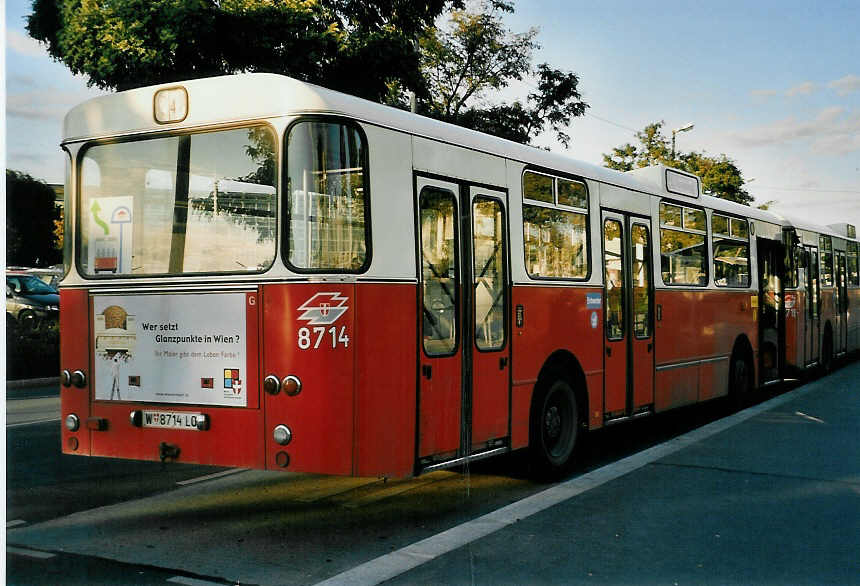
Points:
x=562, y=363
x=742, y=347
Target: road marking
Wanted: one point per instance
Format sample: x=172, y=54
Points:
x=212, y=476
x=193, y=581
x=15, y=523
x=391, y=565
x=32, y=422
x=809, y=417
x=30, y=553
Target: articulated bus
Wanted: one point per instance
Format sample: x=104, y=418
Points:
x=302, y=280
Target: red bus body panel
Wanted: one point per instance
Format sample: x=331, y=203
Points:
x=75, y=355
x=699, y=327
x=554, y=319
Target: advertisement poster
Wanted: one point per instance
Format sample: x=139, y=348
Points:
x=110, y=235
x=186, y=349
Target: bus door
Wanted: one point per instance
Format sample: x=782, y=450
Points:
x=628, y=309
x=463, y=401
x=813, y=309
x=489, y=291
x=841, y=304
x=771, y=275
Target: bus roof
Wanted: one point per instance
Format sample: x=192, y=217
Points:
x=255, y=96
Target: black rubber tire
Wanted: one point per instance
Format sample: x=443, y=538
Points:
x=27, y=321
x=827, y=353
x=553, y=429
x=740, y=380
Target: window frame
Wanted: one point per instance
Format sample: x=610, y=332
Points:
x=285, y=211
x=78, y=197
x=458, y=269
x=660, y=227
x=733, y=238
x=852, y=249
x=624, y=287
x=505, y=271
x=826, y=250
x=649, y=262
x=560, y=207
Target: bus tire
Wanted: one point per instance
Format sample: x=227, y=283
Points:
x=827, y=351
x=553, y=429
x=740, y=378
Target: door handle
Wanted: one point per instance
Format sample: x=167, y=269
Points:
x=427, y=371
x=503, y=362
x=650, y=345
x=609, y=351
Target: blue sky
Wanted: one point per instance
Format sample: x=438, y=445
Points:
x=774, y=85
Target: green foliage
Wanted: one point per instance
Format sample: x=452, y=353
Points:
x=375, y=49
x=476, y=56
x=720, y=176
x=30, y=214
x=350, y=45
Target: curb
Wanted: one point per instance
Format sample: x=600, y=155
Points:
x=32, y=382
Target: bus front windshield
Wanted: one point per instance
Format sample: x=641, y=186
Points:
x=194, y=203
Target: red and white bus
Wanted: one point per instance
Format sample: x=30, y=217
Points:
x=304, y=280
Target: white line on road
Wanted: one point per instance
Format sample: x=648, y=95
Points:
x=32, y=422
x=391, y=565
x=15, y=523
x=193, y=581
x=30, y=553
x=809, y=417
x=211, y=476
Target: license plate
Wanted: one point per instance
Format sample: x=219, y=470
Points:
x=171, y=419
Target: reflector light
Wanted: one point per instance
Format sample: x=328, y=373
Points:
x=136, y=418
x=73, y=443
x=282, y=435
x=203, y=423
x=271, y=384
x=282, y=459
x=66, y=378
x=171, y=105
x=79, y=379
x=291, y=385
x=72, y=422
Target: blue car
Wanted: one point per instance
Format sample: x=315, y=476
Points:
x=30, y=303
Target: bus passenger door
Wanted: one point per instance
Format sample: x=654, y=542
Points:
x=440, y=358
x=771, y=319
x=490, y=396
x=628, y=371
x=813, y=299
x=615, y=375
x=640, y=309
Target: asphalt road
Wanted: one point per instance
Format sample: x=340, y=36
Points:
x=122, y=522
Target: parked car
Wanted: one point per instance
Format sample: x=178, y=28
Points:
x=30, y=303
x=50, y=276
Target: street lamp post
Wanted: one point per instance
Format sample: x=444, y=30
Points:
x=684, y=128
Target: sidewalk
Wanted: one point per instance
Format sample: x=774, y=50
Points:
x=770, y=495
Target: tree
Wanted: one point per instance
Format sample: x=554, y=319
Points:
x=351, y=45
x=30, y=216
x=720, y=176
x=476, y=56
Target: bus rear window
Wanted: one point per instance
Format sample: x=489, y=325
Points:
x=195, y=203
x=327, y=191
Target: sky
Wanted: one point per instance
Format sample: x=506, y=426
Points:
x=774, y=85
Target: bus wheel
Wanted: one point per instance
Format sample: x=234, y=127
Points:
x=740, y=380
x=553, y=429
